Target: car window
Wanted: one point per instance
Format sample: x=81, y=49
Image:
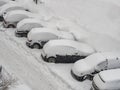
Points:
x=114, y=63
x=101, y=66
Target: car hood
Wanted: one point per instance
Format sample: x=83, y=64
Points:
x=81, y=68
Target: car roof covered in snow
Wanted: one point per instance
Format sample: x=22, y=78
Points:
x=61, y=34
x=9, y=5
x=112, y=75
x=99, y=57
x=44, y=30
x=82, y=47
x=17, y=12
x=28, y=20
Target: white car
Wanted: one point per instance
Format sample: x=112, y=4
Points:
x=37, y=37
x=65, y=51
x=13, y=17
x=86, y=68
x=9, y=7
x=3, y=2
x=107, y=80
x=25, y=25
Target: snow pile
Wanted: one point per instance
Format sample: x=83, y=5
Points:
x=20, y=87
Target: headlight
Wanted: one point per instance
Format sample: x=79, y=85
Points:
x=29, y=40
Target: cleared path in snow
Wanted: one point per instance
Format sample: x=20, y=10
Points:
x=16, y=60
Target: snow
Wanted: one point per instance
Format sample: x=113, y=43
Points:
x=41, y=33
x=2, y=2
x=63, y=44
x=20, y=87
x=16, y=15
x=30, y=67
x=95, y=22
x=26, y=21
x=87, y=65
x=10, y=6
x=109, y=77
x=81, y=68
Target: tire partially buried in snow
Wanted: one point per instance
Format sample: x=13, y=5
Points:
x=65, y=51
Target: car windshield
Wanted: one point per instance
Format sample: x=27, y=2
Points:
x=94, y=59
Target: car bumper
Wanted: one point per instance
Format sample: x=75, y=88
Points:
x=78, y=78
x=28, y=44
x=21, y=33
x=5, y=25
x=44, y=57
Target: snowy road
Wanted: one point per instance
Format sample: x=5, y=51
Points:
x=26, y=67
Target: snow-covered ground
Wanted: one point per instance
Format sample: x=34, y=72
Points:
x=95, y=22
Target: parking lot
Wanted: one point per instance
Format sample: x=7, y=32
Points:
x=26, y=62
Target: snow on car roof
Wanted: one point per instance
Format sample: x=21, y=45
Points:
x=28, y=20
x=99, y=57
x=66, y=35
x=61, y=34
x=110, y=75
x=40, y=30
x=82, y=47
x=8, y=5
x=17, y=12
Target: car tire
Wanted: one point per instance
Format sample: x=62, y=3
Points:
x=17, y=35
x=90, y=77
x=51, y=60
x=36, y=46
x=81, y=79
x=11, y=26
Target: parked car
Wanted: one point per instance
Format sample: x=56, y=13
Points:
x=9, y=7
x=25, y=25
x=13, y=17
x=65, y=51
x=107, y=80
x=3, y=2
x=37, y=37
x=88, y=67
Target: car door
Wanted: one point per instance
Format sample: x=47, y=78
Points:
x=101, y=66
x=113, y=63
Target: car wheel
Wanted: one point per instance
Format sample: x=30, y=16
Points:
x=90, y=77
x=82, y=78
x=52, y=60
x=37, y=46
x=11, y=26
x=17, y=35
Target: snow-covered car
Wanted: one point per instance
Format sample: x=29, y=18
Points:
x=37, y=37
x=25, y=25
x=3, y=2
x=9, y=7
x=88, y=67
x=107, y=80
x=13, y=17
x=65, y=51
